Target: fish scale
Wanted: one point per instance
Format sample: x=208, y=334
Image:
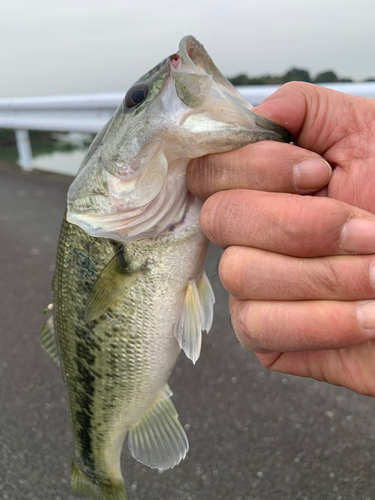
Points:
x=129, y=287
x=116, y=368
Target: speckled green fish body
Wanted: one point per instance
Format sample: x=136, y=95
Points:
x=129, y=288
x=116, y=367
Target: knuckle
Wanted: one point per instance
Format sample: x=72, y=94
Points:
x=195, y=178
x=229, y=270
x=328, y=280
x=248, y=337
x=239, y=325
x=207, y=175
x=218, y=217
x=346, y=282
x=308, y=234
x=295, y=88
x=210, y=219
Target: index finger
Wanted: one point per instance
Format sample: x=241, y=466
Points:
x=263, y=166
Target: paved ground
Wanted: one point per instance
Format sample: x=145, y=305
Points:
x=254, y=435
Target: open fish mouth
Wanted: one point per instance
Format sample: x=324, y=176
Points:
x=131, y=183
x=195, y=57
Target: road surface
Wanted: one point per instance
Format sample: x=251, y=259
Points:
x=254, y=434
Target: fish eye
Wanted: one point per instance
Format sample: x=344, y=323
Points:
x=136, y=95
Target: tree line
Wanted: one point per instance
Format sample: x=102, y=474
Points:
x=293, y=74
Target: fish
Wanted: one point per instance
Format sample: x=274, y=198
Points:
x=129, y=290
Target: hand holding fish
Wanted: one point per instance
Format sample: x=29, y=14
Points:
x=300, y=269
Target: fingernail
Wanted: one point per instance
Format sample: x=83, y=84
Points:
x=311, y=174
x=366, y=315
x=358, y=236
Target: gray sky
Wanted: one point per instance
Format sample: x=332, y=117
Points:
x=50, y=47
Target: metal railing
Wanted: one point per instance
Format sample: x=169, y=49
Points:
x=89, y=112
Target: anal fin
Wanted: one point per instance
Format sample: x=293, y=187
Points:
x=158, y=439
x=49, y=341
x=196, y=315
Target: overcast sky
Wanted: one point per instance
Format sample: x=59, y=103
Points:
x=50, y=47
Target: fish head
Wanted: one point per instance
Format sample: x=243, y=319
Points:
x=131, y=183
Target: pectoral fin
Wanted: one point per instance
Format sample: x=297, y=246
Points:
x=158, y=439
x=49, y=341
x=189, y=330
x=207, y=299
x=196, y=315
x=115, y=276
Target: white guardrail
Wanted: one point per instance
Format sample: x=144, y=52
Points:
x=88, y=113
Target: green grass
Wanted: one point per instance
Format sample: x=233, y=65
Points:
x=41, y=143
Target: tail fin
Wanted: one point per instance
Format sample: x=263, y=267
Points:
x=83, y=486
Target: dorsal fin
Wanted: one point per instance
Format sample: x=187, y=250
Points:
x=49, y=341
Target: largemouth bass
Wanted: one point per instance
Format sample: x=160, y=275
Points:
x=129, y=287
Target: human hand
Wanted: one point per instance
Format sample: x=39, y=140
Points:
x=300, y=298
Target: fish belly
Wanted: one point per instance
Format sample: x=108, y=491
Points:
x=116, y=366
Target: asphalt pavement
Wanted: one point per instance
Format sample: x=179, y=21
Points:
x=254, y=434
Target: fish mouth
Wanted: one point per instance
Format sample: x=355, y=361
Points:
x=196, y=58
x=281, y=133
x=132, y=182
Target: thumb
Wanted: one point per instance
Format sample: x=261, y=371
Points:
x=318, y=118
